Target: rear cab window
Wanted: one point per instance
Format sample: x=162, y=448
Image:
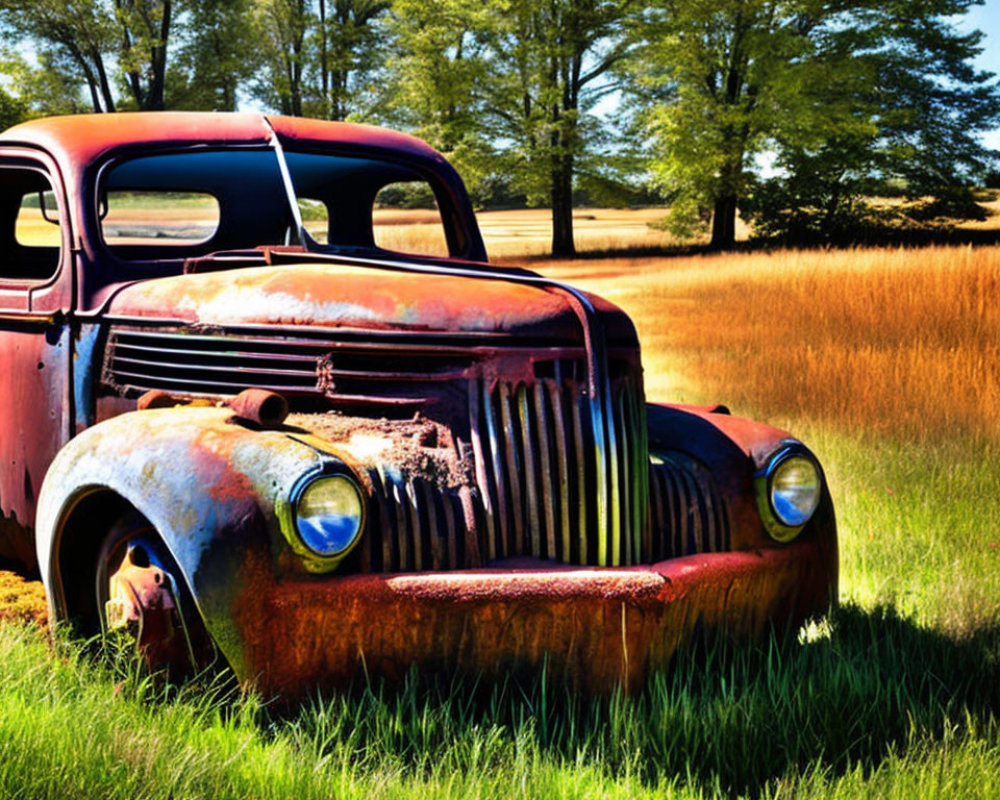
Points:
x=189, y=204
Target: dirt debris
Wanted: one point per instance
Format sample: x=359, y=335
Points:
x=418, y=446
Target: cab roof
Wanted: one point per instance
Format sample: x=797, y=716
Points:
x=83, y=138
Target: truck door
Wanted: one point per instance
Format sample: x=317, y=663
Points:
x=35, y=345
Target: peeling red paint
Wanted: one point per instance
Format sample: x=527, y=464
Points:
x=488, y=427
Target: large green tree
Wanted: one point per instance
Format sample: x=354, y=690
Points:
x=318, y=57
x=926, y=106
x=350, y=51
x=549, y=64
x=213, y=58
x=727, y=81
x=99, y=41
x=77, y=35
x=436, y=68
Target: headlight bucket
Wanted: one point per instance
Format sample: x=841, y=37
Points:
x=788, y=488
x=328, y=513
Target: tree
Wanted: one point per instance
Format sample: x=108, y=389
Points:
x=75, y=34
x=548, y=65
x=318, y=57
x=437, y=69
x=12, y=110
x=926, y=105
x=885, y=87
x=44, y=88
x=281, y=27
x=144, y=27
x=349, y=51
x=213, y=60
x=92, y=39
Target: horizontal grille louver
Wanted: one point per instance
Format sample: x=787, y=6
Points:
x=212, y=365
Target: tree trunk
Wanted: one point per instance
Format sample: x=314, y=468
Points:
x=562, y=206
x=724, y=224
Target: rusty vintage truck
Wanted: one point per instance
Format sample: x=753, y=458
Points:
x=267, y=402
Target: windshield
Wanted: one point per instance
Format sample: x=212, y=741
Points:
x=191, y=203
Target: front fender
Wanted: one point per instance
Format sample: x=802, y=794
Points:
x=212, y=488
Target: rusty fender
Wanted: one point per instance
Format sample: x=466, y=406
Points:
x=211, y=488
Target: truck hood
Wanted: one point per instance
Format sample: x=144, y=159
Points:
x=337, y=296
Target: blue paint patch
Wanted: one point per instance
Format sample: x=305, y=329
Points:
x=84, y=372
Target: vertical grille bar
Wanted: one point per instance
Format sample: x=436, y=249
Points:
x=514, y=468
x=499, y=482
x=628, y=555
x=487, y=486
x=548, y=488
x=563, y=460
x=579, y=456
x=529, y=458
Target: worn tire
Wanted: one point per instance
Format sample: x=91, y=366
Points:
x=138, y=584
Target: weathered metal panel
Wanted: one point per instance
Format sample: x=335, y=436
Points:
x=35, y=413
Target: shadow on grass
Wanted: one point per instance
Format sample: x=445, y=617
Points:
x=724, y=718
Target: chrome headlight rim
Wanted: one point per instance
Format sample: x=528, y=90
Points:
x=316, y=558
x=778, y=526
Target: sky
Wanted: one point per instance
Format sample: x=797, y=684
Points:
x=987, y=19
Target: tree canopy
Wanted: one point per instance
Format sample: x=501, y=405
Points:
x=790, y=112
x=854, y=93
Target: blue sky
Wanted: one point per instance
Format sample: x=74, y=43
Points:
x=987, y=19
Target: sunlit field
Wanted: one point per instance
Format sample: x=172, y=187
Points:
x=886, y=362
x=528, y=232
x=901, y=342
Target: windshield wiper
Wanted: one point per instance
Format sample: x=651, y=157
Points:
x=286, y=177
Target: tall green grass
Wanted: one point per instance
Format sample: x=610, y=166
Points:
x=869, y=702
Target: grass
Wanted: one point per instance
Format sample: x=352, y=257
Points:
x=885, y=362
x=863, y=701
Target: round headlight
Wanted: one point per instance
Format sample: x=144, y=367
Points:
x=329, y=515
x=789, y=488
x=794, y=490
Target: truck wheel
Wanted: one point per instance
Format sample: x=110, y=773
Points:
x=138, y=590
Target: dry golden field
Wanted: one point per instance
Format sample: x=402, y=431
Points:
x=886, y=340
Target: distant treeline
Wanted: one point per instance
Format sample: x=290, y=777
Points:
x=790, y=112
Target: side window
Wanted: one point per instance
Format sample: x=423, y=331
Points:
x=30, y=227
x=316, y=218
x=406, y=219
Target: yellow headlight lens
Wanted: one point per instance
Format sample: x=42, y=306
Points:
x=329, y=515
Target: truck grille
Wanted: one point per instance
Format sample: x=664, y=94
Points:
x=533, y=445
x=417, y=525
x=373, y=372
x=536, y=467
x=535, y=492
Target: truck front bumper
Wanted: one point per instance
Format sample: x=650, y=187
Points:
x=594, y=627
